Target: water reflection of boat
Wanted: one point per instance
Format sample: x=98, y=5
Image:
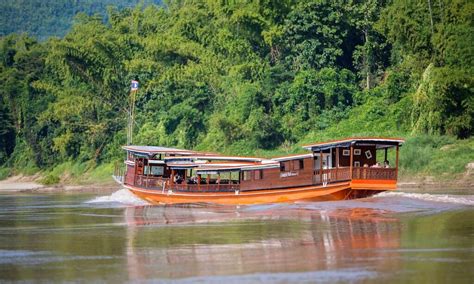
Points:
x=336, y=170
x=235, y=241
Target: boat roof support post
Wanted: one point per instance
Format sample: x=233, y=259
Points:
x=321, y=165
x=330, y=157
x=351, y=159
x=147, y=173
x=396, y=162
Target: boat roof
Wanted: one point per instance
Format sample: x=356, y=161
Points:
x=380, y=143
x=208, y=168
x=152, y=150
x=194, y=157
x=293, y=157
x=187, y=165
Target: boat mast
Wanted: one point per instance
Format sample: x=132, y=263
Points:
x=131, y=111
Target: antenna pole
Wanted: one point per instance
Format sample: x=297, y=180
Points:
x=131, y=111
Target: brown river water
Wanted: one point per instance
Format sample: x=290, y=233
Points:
x=390, y=238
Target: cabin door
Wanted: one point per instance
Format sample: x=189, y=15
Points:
x=327, y=162
x=317, y=168
x=318, y=177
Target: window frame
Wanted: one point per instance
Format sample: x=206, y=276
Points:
x=246, y=175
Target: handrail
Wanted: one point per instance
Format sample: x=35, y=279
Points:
x=343, y=174
x=374, y=173
x=205, y=187
x=152, y=182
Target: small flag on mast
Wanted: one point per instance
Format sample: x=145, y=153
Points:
x=134, y=85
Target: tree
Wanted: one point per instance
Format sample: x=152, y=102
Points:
x=314, y=33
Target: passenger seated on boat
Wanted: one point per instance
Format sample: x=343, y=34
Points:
x=178, y=179
x=386, y=164
x=366, y=165
x=193, y=180
x=377, y=165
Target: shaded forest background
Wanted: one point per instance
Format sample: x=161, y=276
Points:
x=238, y=77
x=46, y=18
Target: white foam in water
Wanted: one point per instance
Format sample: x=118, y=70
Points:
x=123, y=196
x=458, y=199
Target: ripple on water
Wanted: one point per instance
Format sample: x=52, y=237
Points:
x=445, y=198
x=120, y=197
x=323, y=276
x=27, y=257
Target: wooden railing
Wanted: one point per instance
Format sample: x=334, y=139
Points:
x=150, y=181
x=332, y=175
x=344, y=174
x=159, y=183
x=204, y=187
x=374, y=173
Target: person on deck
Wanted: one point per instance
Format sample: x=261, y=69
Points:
x=377, y=165
x=178, y=179
x=192, y=180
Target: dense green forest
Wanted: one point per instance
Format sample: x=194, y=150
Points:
x=244, y=77
x=46, y=18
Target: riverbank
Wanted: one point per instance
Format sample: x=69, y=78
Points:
x=458, y=181
x=20, y=183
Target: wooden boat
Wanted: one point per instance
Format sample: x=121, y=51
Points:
x=335, y=170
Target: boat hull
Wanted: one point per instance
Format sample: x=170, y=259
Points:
x=331, y=192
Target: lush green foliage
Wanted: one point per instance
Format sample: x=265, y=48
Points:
x=46, y=18
x=241, y=77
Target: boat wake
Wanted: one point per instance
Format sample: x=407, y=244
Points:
x=445, y=198
x=120, y=197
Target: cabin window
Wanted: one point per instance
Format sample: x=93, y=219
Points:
x=356, y=164
x=246, y=175
x=284, y=166
x=346, y=152
x=234, y=177
x=357, y=152
x=298, y=164
x=368, y=154
x=157, y=170
x=258, y=174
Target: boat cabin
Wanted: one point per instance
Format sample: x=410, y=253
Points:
x=351, y=160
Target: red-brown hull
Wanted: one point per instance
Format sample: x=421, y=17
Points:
x=331, y=192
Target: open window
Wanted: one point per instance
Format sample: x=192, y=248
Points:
x=246, y=175
x=284, y=166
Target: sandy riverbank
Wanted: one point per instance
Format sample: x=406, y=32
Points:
x=460, y=181
x=29, y=184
